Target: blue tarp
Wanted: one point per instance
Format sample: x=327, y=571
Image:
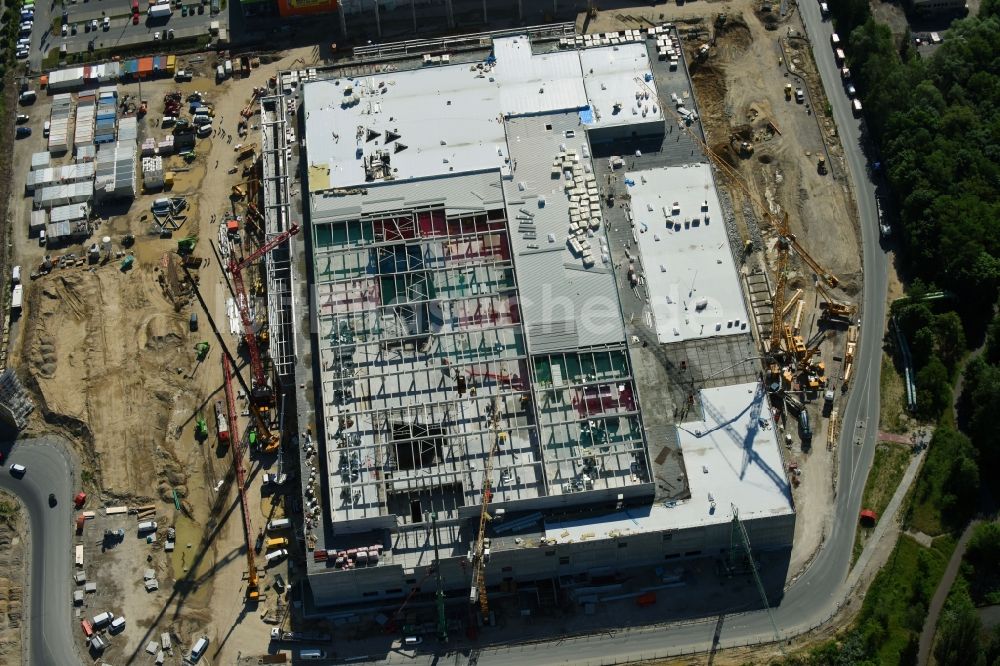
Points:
x=587, y=115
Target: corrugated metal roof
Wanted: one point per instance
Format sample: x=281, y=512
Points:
x=555, y=289
x=460, y=193
x=69, y=213
x=532, y=84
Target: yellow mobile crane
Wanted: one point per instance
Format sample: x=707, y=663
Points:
x=480, y=552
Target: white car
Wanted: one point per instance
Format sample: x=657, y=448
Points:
x=65, y=29
x=93, y=24
x=18, y=470
x=46, y=128
x=156, y=36
x=851, y=91
x=107, y=23
x=22, y=54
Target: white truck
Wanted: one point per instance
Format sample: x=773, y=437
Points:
x=159, y=11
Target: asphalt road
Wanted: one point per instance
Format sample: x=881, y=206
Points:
x=816, y=594
x=51, y=529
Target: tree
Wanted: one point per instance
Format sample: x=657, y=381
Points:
x=958, y=638
x=950, y=338
x=933, y=389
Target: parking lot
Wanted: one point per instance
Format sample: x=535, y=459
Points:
x=107, y=24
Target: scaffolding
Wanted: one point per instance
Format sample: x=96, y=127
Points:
x=275, y=199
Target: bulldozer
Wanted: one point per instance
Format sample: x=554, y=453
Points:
x=821, y=165
x=201, y=349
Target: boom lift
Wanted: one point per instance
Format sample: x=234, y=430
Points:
x=253, y=585
x=260, y=393
x=480, y=553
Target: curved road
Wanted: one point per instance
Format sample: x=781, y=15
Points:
x=51, y=532
x=818, y=592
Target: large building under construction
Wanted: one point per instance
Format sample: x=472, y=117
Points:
x=461, y=307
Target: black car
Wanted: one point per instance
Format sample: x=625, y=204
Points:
x=52, y=499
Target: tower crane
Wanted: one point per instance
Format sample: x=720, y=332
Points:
x=787, y=241
x=260, y=393
x=253, y=585
x=480, y=553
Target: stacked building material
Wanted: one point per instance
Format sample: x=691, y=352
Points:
x=152, y=173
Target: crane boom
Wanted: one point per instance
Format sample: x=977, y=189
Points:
x=260, y=392
x=478, y=591
x=253, y=587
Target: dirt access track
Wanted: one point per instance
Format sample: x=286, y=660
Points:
x=739, y=84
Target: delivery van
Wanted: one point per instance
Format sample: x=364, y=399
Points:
x=278, y=524
x=276, y=556
x=199, y=649
x=311, y=654
x=102, y=619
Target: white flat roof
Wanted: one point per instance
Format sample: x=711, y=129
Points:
x=450, y=118
x=694, y=289
x=732, y=459
x=447, y=118
x=610, y=77
x=533, y=84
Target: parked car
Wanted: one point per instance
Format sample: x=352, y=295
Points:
x=107, y=23
x=23, y=132
x=46, y=127
x=22, y=118
x=65, y=29
x=851, y=91
x=93, y=25
x=52, y=499
x=800, y=95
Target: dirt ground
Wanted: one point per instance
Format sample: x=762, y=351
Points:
x=110, y=359
x=12, y=572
